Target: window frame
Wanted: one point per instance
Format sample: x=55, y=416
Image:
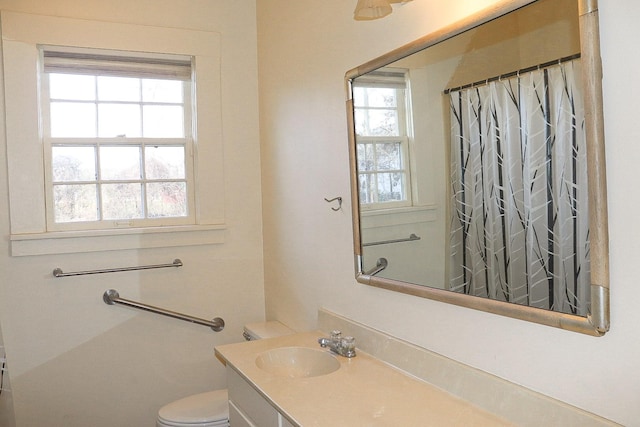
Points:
x=22, y=33
x=397, y=79
x=190, y=114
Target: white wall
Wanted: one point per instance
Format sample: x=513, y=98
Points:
x=304, y=50
x=75, y=361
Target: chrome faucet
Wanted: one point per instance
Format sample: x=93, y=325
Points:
x=344, y=346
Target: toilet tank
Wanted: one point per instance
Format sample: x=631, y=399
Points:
x=270, y=329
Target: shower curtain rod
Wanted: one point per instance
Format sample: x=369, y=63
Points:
x=513, y=73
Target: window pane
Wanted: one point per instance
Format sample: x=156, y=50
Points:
x=163, y=121
x=388, y=156
x=120, y=163
x=75, y=203
x=118, y=89
x=366, y=195
x=358, y=96
x=73, y=119
x=122, y=201
x=73, y=163
x=72, y=87
x=390, y=187
x=361, y=122
x=382, y=123
x=381, y=97
x=164, y=162
x=162, y=91
x=166, y=199
x=366, y=160
x=118, y=120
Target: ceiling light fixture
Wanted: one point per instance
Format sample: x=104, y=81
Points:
x=367, y=10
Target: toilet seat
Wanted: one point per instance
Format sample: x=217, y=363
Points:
x=210, y=409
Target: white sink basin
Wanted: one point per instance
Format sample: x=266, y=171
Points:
x=297, y=362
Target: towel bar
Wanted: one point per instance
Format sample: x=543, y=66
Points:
x=59, y=273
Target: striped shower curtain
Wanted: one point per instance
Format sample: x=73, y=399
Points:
x=519, y=215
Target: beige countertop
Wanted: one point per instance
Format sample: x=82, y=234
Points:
x=364, y=391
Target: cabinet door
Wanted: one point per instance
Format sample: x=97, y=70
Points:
x=284, y=422
x=249, y=402
x=237, y=418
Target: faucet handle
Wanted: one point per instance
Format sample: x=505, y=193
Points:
x=348, y=345
x=336, y=335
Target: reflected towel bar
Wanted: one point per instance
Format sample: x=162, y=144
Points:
x=59, y=273
x=112, y=297
x=384, y=242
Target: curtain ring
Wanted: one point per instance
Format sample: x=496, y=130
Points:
x=339, y=199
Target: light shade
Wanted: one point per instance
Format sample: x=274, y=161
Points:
x=371, y=9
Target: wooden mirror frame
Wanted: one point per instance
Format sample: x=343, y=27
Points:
x=597, y=322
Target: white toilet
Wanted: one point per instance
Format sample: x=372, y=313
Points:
x=211, y=409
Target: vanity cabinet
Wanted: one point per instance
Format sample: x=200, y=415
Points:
x=247, y=408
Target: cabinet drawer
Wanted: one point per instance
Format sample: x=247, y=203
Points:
x=249, y=402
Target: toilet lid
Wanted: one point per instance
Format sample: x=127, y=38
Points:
x=199, y=408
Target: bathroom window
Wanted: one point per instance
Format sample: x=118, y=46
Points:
x=164, y=183
x=117, y=139
x=382, y=138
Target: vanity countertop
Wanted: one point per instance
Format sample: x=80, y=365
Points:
x=363, y=392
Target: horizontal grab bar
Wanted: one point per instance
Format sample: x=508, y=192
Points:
x=381, y=264
x=59, y=273
x=112, y=297
x=412, y=237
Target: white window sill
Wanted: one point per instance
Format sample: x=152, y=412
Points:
x=67, y=242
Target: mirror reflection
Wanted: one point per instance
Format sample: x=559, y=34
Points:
x=471, y=163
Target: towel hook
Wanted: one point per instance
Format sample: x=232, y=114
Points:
x=339, y=199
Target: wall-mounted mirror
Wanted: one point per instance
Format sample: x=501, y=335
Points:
x=477, y=165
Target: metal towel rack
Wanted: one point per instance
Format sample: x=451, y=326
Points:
x=59, y=273
x=112, y=297
x=384, y=242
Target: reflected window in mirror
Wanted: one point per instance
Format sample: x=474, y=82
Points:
x=382, y=138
